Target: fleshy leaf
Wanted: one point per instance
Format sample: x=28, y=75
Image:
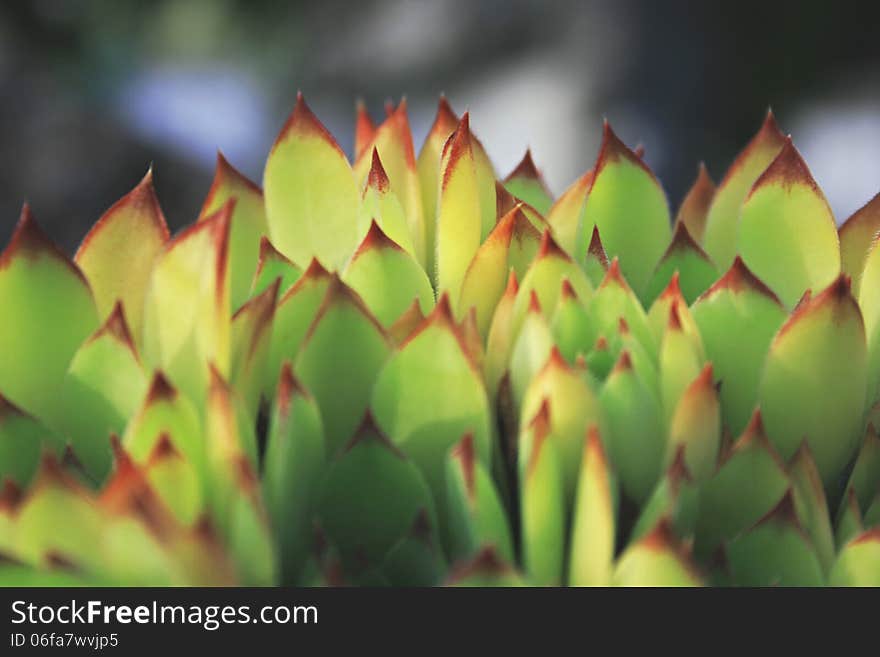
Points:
x=566, y=217
x=47, y=311
x=594, y=524
x=869, y=303
x=775, y=552
x=856, y=239
x=858, y=563
x=380, y=204
x=573, y=408
x=675, y=498
x=387, y=277
x=293, y=316
x=102, y=389
x=865, y=477
x=613, y=300
x=345, y=328
x=685, y=257
x=722, y=222
x=370, y=496
x=392, y=142
x=571, y=324
x=22, y=440
x=429, y=164
x=787, y=234
x=485, y=569
x=694, y=208
x=458, y=212
x=596, y=262
x=500, y=341
x=428, y=395
x=659, y=558
x=849, y=519
x=248, y=225
x=293, y=466
x=526, y=183
x=814, y=380
x=749, y=482
x=629, y=207
x=175, y=480
x=737, y=318
x=477, y=517
x=681, y=360
x=636, y=438
x=310, y=191
x=186, y=318
x=530, y=351
x=512, y=244
x=416, y=559
x=697, y=425
x=811, y=505
x=543, y=505
x=250, y=343
x=271, y=264
x=118, y=253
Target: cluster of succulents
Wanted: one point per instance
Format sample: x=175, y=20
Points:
x=403, y=371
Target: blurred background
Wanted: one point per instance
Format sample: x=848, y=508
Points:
x=94, y=91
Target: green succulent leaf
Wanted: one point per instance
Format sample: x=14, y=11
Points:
x=614, y=300
x=271, y=264
x=310, y=193
x=531, y=349
x=629, y=207
x=118, y=253
x=477, y=517
x=594, y=520
x=814, y=381
x=566, y=217
x=485, y=569
x=387, y=277
x=865, y=476
x=856, y=239
x=416, y=559
x=811, y=505
x=858, y=563
x=738, y=305
x=685, y=257
x=722, y=222
x=869, y=303
x=694, y=209
x=248, y=225
x=675, y=498
x=47, y=311
x=251, y=340
x=500, y=341
x=658, y=558
x=102, y=389
x=681, y=361
x=526, y=183
x=380, y=205
x=175, y=480
x=696, y=424
x=22, y=440
x=849, y=519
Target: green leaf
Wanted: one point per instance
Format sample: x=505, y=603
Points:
x=47, y=311
x=573, y=330
x=573, y=408
x=250, y=343
x=811, y=505
x=543, y=504
x=186, y=318
x=380, y=204
x=856, y=239
x=444, y=125
x=512, y=245
x=858, y=564
x=775, y=552
x=596, y=262
x=849, y=519
x=370, y=496
x=387, y=277
x=294, y=313
x=458, y=212
x=118, y=253
x=22, y=440
x=102, y=389
x=526, y=183
x=869, y=303
x=392, y=142
x=629, y=207
x=694, y=209
x=566, y=217
x=676, y=498
x=636, y=437
x=485, y=569
x=310, y=192
x=271, y=265
x=722, y=222
x=749, y=482
x=175, y=480
x=342, y=385
x=865, y=476
x=787, y=234
x=658, y=558
x=696, y=424
x=477, y=517
x=430, y=393
x=684, y=257
x=530, y=351
x=543, y=278
x=594, y=520
x=681, y=360
x=499, y=342
x=814, y=381
x=416, y=559
x=248, y=225
x=613, y=300
x=738, y=305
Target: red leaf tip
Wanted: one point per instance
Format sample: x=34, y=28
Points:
x=377, y=178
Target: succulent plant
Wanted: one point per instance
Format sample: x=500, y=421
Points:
x=402, y=370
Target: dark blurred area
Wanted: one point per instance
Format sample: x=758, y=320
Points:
x=93, y=92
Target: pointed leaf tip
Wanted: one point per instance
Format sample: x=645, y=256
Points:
x=740, y=278
x=29, y=240
x=787, y=169
x=160, y=389
x=378, y=178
